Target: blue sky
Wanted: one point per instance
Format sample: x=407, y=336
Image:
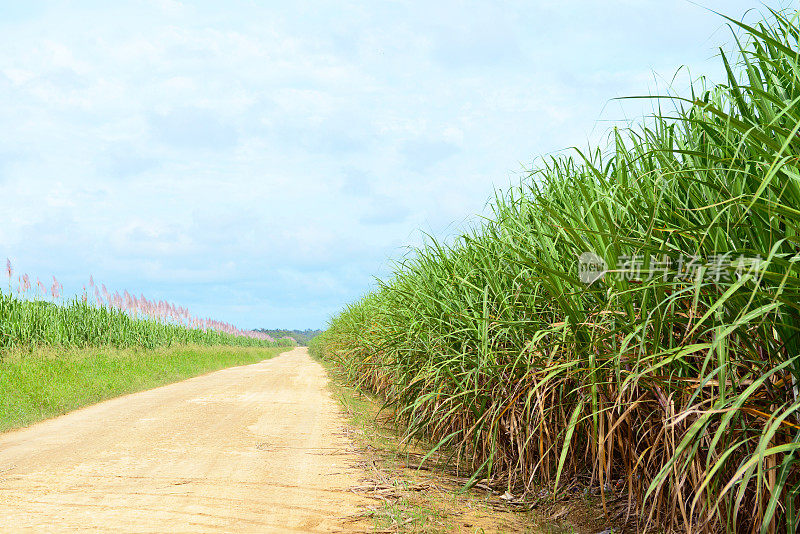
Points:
x=261, y=162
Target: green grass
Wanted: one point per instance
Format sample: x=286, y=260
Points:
x=53, y=381
x=679, y=388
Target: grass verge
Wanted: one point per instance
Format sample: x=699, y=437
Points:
x=53, y=381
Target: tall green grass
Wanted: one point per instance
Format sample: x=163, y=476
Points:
x=35, y=323
x=679, y=386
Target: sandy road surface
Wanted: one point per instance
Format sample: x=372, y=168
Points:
x=257, y=448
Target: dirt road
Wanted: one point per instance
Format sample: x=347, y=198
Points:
x=257, y=448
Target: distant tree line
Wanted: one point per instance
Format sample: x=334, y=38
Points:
x=301, y=336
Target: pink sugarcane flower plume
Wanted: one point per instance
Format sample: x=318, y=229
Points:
x=54, y=289
x=25, y=284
